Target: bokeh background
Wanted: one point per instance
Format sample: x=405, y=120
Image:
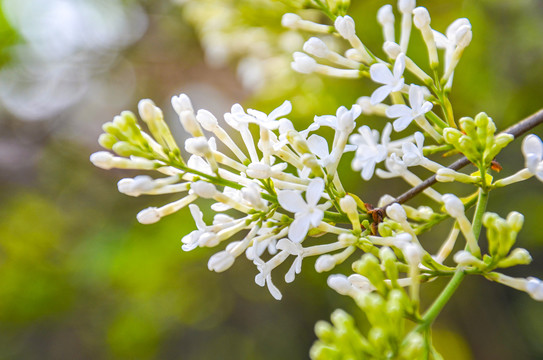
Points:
x=81, y=279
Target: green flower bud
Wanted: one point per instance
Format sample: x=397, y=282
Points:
x=341, y=319
x=451, y=135
x=378, y=337
x=369, y=267
x=412, y=346
x=123, y=148
x=374, y=306
x=298, y=142
x=388, y=259
x=112, y=129
x=320, y=351
x=384, y=229
x=107, y=141
x=325, y=331
x=515, y=220
x=518, y=256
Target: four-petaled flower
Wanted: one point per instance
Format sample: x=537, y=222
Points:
x=405, y=114
x=412, y=154
x=369, y=152
x=392, y=80
x=306, y=213
x=343, y=121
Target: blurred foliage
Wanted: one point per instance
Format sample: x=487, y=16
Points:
x=81, y=279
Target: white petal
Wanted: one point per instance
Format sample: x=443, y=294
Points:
x=381, y=73
x=291, y=200
x=416, y=97
x=326, y=120
x=274, y=291
x=399, y=110
x=427, y=106
x=316, y=217
x=385, y=137
x=380, y=94
x=314, y=191
x=399, y=66
x=402, y=123
x=368, y=170
x=532, y=145
x=282, y=110
x=318, y=145
x=298, y=229
x=441, y=40
x=198, y=216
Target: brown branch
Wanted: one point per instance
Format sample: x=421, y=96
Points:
x=516, y=130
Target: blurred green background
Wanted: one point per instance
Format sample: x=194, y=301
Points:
x=81, y=279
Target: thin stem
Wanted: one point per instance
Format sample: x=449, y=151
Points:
x=515, y=130
x=453, y=284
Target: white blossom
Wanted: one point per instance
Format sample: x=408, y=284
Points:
x=405, y=114
x=369, y=152
x=306, y=213
x=412, y=154
x=392, y=80
x=343, y=121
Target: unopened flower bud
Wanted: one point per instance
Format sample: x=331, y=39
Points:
x=396, y=212
x=102, y=159
x=406, y=6
x=463, y=36
x=220, y=261
x=465, y=258
x=534, y=288
x=303, y=63
x=316, y=47
x=412, y=253
x=340, y=283
x=148, y=216
x=519, y=256
x=207, y=120
x=515, y=220
x=392, y=49
x=345, y=26
x=204, y=189
x=385, y=15
x=289, y=20
x=181, y=103
x=325, y=263
x=421, y=17
x=453, y=205
x=197, y=146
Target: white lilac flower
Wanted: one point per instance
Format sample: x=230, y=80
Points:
x=190, y=241
x=405, y=114
x=319, y=146
x=412, y=154
x=449, y=41
x=532, y=148
x=392, y=80
x=306, y=213
x=270, y=121
x=343, y=121
x=369, y=152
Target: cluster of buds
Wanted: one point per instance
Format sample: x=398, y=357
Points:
x=273, y=194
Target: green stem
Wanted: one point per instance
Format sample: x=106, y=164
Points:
x=443, y=298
